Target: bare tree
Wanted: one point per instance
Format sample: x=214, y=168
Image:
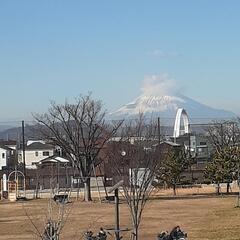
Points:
x=223, y=134
x=81, y=131
x=55, y=219
x=134, y=160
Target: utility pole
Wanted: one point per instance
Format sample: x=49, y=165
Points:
x=159, y=131
x=117, y=224
x=189, y=153
x=189, y=142
x=23, y=149
x=233, y=132
x=115, y=189
x=221, y=135
x=238, y=183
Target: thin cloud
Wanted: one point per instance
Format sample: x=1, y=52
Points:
x=163, y=54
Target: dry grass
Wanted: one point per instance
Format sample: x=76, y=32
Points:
x=212, y=218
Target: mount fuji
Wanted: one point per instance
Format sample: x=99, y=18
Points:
x=166, y=107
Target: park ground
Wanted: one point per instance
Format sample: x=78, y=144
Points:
x=203, y=217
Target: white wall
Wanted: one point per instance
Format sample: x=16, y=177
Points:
x=3, y=161
x=30, y=156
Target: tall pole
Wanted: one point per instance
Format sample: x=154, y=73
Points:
x=238, y=183
x=189, y=154
x=233, y=132
x=189, y=142
x=117, y=224
x=221, y=135
x=159, y=131
x=23, y=149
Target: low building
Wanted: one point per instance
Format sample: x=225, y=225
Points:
x=201, y=148
x=9, y=143
x=35, y=152
x=197, y=145
x=7, y=158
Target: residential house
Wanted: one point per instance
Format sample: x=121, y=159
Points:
x=7, y=158
x=9, y=143
x=35, y=152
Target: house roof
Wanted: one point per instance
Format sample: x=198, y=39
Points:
x=8, y=142
x=39, y=146
x=54, y=159
x=172, y=144
x=5, y=148
x=31, y=167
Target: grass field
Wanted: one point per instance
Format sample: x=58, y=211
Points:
x=212, y=218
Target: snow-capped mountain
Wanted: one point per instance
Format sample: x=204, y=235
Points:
x=166, y=107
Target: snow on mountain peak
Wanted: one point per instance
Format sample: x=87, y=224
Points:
x=166, y=106
x=161, y=97
x=150, y=104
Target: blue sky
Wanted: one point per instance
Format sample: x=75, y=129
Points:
x=53, y=50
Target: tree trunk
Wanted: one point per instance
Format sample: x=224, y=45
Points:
x=135, y=224
x=174, y=190
x=87, y=190
x=36, y=190
x=192, y=173
x=218, y=189
x=78, y=193
x=135, y=233
x=228, y=187
x=135, y=227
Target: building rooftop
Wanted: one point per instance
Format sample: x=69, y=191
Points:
x=5, y=147
x=54, y=159
x=8, y=142
x=173, y=144
x=38, y=146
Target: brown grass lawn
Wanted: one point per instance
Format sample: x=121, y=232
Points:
x=212, y=218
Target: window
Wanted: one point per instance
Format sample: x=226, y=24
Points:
x=36, y=154
x=46, y=153
x=203, y=143
x=3, y=155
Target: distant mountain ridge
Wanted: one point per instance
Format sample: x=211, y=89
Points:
x=166, y=107
x=5, y=127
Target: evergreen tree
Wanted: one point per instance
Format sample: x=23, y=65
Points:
x=172, y=167
x=223, y=167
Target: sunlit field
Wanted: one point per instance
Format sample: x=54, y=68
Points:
x=202, y=217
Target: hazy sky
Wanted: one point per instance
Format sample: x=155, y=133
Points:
x=52, y=50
